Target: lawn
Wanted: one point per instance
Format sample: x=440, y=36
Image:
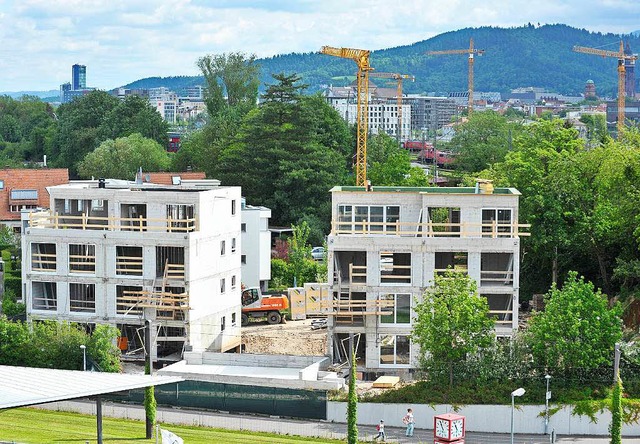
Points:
x=43, y=426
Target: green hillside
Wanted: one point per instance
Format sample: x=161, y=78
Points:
x=515, y=57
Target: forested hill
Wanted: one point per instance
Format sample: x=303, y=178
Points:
x=515, y=57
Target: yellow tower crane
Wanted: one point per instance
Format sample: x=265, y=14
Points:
x=361, y=57
x=472, y=52
x=399, y=78
x=622, y=57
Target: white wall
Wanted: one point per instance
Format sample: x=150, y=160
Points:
x=482, y=418
x=256, y=245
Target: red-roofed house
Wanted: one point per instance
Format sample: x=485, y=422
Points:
x=22, y=188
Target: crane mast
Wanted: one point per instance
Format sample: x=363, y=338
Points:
x=622, y=57
x=472, y=52
x=399, y=78
x=361, y=57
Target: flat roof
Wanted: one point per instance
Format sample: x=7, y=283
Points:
x=427, y=190
x=24, y=386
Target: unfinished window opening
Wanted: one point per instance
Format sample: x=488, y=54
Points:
x=341, y=348
x=176, y=300
x=82, y=258
x=233, y=244
x=43, y=257
x=233, y=282
x=133, y=217
x=233, y=319
x=128, y=260
x=400, y=310
x=496, y=269
x=82, y=214
x=368, y=219
x=443, y=221
x=82, y=298
x=223, y=322
x=223, y=286
x=457, y=261
x=350, y=307
x=350, y=267
x=233, y=207
x=44, y=296
x=395, y=268
x=127, y=299
x=170, y=262
x=223, y=248
x=496, y=222
x=180, y=217
x=501, y=308
x=394, y=349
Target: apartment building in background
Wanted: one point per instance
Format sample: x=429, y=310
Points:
x=122, y=253
x=386, y=246
x=256, y=246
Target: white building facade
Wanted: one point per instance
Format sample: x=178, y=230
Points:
x=386, y=246
x=256, y=246
x=120, y=253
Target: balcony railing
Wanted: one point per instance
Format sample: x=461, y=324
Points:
x=351, y=307
x=169, y=306
x=430, y=229
x=47, y=219
x=495, y=278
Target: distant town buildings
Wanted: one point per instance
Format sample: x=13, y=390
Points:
x=78, y=85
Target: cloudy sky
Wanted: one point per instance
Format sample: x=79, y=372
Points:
x=124, y=40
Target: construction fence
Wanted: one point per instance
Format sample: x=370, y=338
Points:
x=202, y=395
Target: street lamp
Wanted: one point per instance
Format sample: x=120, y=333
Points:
x=547, y=397
x=517, y=392
x=84, y=357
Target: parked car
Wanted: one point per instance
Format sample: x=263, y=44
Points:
x=317, y=253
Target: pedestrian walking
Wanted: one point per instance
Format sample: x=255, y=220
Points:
x=409, y=422
x=380, y=429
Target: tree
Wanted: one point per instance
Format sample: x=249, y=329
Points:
x=577, y=329
x=231, y=80
x=352, y=404
x=121, y=158
x=134, y=115
x=299, y=250
x=288, y=154
x=452, y=322
x=482, y=141
x=390, y=165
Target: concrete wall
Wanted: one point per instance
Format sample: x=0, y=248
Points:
x=482, y=418
x=254, y=360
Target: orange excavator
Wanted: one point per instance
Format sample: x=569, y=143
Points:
x=257, y=305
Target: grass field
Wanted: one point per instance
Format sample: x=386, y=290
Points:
x=42, y=426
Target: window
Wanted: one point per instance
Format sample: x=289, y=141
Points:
x=18, y=208
x=444, y=220
x=454, y=260
x=180, y=217
x=400, y=309
x=82, y=258
x=394, y=350
x=97, y=204
x=233, y=282
x=24, y=195
x=82, y=298
x=395, y=268
x=128, y=260
x=127, y=300
x=496, y=222
x=222, y=323
x=44, y=296
x=223, y=248
x=243, y=227
x=243, y=259
x=133, y=217
x=369, y=219
x=233, y=207
x=43, y=257
x=1, y=184
x=233, y=319
x=223, y=286
x=233, y=244
x=170, y=260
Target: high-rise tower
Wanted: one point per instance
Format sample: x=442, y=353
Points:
x=78, y=77
x=630, y=79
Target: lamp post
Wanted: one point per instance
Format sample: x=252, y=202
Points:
x=84, y=357
x=517, y=392
x=547, y=397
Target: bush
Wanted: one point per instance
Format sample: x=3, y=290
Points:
x=13, y=284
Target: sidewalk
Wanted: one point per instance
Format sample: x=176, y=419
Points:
x=311, y=428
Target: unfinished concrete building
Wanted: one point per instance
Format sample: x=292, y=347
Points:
x=387, y=244
x=123, y=253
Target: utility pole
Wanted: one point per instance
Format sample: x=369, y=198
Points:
x=616, y=363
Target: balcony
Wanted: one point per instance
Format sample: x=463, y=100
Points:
x=430, y=229
x=49, y=220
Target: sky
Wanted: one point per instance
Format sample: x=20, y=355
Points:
x=121, y=41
